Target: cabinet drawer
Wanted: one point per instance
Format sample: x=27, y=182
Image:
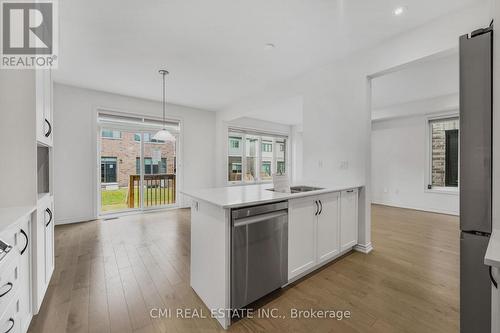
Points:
x=9, y=281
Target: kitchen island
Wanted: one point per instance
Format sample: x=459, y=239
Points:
x=319, y=226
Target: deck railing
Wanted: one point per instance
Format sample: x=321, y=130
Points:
x=159, y=190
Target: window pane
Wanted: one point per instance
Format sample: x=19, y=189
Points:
x=235, y=157
x=234, y=168
x=108, y=169
x=444, y=137
x=147, y=165
x=251, y=158
x=451, y=176
x=265, y=170
x=280, y=156
x=110, y=134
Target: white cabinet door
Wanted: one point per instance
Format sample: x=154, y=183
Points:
x=348, y=219
x=301, y=236
x=43, y=245
x=39, y=255
x=44, y=107
x=49, y=240
x=24, y=247
x=328, y=227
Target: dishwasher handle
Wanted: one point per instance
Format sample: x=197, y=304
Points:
x=258, y=218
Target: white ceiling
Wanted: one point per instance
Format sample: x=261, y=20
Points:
x=215, y=49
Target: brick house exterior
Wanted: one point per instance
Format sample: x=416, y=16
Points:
x=125, y=150
x=439, y=129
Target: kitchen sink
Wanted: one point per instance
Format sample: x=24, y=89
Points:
x=300, y=189
x=304, y=188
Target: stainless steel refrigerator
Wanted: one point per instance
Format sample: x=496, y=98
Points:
x=476, y=77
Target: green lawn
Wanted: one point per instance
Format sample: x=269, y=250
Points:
x=115, y=200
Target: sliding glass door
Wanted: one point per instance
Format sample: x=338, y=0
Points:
x=136, y=171
x=158, y=172
x=118, y=152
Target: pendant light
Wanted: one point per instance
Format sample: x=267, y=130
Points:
x=163, y=134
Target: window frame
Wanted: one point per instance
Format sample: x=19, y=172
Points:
x=243, y=132
x=452, y=190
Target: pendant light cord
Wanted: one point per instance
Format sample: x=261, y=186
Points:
x=164, y=102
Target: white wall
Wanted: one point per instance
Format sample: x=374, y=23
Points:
x=399, y=162
x=17, y=138
x=336, y=97
x=75, y=150
x=432, y=78
x=297, y=148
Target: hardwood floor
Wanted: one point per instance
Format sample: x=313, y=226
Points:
x=110, y=274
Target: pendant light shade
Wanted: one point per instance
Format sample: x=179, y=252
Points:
x=163, y=134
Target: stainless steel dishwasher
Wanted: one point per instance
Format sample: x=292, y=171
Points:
x=259, y=252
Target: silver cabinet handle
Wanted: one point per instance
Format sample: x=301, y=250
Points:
x=321, y=209
x=317, y=208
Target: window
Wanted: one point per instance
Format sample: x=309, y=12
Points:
x=235, y=158
x=234, y=143
x=254, y=157
x=111, y=134
x=280, y=167
x=151, y=168
x=108, y=170
x=267, y=147
x=444, y=140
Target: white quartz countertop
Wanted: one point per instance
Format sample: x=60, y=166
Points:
x=11, y=215
x=492, y=257
x=240, y=196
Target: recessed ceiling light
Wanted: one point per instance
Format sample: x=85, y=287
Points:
x=270, y=46
x=399, y=11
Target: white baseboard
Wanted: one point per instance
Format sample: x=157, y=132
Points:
x=364, y=248
x=423, y=209
x=71, y=220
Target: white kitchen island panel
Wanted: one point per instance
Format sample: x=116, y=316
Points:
x=210, y=255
